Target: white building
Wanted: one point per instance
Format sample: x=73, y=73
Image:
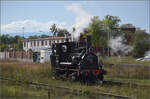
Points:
x=42, y=43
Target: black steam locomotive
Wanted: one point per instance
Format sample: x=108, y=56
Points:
x=76, y=61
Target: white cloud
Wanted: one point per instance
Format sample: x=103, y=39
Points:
x=30, y=26
x=82, y=17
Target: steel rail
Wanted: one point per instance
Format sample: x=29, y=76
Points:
x=125, y=83
x=68, y=90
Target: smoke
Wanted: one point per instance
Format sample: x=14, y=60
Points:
x=82, y=19
x=118, y=46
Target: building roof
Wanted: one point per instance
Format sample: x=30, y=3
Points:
x=47, y=38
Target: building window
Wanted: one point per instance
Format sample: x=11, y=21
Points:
x=45, y=42
x=37, y=43
x=42, y=42
x=34, y=43
x=31, y=43
x=49, y=42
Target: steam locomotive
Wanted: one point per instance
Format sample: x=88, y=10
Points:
x=76, y=61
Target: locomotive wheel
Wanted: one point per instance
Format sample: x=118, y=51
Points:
x=73, y=77
x=56, y=74
x=57, y=77
x=82, y=78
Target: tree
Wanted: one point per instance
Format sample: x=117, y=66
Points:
x=62, y=32
x=9, y=41
x=111, y=22
x=3, y=47
x=33, y=37
x=96, y=29
x=141, y=43
x=54, y=29
x=44, y=36
x=99, y=29
x=5, y=39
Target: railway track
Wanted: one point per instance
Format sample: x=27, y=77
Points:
x=115, y=82
x=50, y=88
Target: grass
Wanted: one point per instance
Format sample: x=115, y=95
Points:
x=136, y=73
x=9, y=90
x=37, y=72
x=15, y=91
x=129, y=80
x=125, y=60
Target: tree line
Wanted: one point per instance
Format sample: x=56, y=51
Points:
x=101, y=31
x=8, y=42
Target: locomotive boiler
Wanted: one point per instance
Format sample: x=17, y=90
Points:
x=76, y=61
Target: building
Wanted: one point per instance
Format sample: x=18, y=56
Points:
x=127, y=31
x=42, y=43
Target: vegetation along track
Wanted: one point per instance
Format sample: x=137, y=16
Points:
x=67, y=90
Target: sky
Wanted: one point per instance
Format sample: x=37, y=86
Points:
x=37, y=16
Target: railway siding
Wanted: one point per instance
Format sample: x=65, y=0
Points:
x=67, y=90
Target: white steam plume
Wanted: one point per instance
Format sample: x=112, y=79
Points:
x=83, y=18
x=118, y=46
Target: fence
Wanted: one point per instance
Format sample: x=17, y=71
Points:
x=127, y=67
x=4, y=55
x=17, y=55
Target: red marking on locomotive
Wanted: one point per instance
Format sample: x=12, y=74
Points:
x=95, y=72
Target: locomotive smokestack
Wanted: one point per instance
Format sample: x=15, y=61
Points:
x=88, y=45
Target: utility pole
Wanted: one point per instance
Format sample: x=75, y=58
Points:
x=23, y=31
x=23, y=44
x=108, y=41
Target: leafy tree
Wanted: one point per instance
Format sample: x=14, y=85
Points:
x=4, y=39
x=62, y=32
x=7, y=42
x=33, y=37
x=110, y=23
x=54, y=29
x=141, y=43
x=96, y=29
x=99, y=29
x=44, y=36
x=3, y=47
x=19, y=45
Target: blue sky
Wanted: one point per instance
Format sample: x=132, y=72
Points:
x=37, y=16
